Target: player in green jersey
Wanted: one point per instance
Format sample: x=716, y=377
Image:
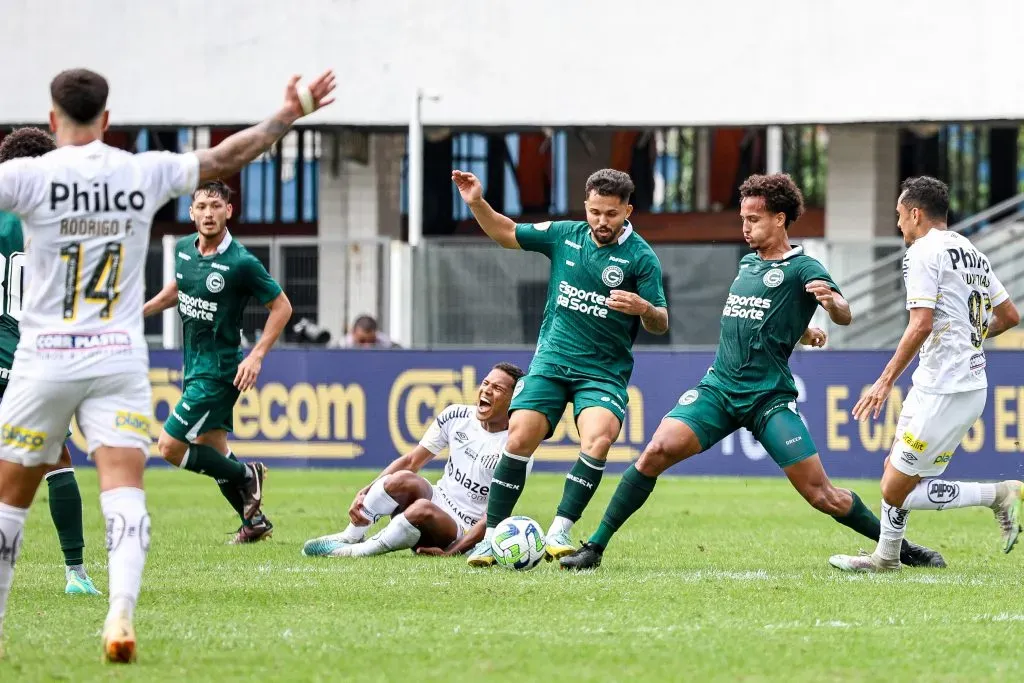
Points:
x=65, y=498
x=215, y=279
x=770, y=303
x=605, y=282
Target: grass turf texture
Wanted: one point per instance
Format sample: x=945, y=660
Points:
x=715, y=579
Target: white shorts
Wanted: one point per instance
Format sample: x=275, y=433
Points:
x=115, y=410
x=931, y=427
x=442, y=501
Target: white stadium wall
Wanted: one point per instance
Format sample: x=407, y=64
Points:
x=646, y=62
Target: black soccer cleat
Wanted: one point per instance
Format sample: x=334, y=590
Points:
x=252, y=490
x=913, y=555
x=587, y=557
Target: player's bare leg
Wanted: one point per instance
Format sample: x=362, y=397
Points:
x=18, y=486
x=598, y=429
x=526, y=431
x=128, y=533
x=421, y=523
x=388, y=496
x=66, y=511
x=673, y=442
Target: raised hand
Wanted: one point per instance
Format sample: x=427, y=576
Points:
x=469, y=186
x=319, y=91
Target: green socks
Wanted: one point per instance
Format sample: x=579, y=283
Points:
x=231, y=493
x=506, y=487
x=630, y=495
x=861, y=519
x=66, y=511
x=212, y=463
x=580, y=485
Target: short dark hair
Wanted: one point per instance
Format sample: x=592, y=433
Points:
x=780, y=194
x=367, y=323
x=510, y=369
x=610, y=183
x=80, y=93
x=931, y=195
x=26, y=142
x=215, y=188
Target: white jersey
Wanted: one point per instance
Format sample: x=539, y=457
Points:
x=86, y=213
x=944, y=271
x=473, y=453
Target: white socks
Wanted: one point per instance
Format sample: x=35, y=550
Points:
x=12, y=523
x=560, y=525
x=127, y=543
x=399, y=534
x=894, y=527
x=938, y=494
x=376, y=504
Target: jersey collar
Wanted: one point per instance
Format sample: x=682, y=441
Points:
x=626, y=232
x=222, y=247
x=795, y=251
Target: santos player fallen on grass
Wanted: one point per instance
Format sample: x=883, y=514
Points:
x=445, y=519
x=215, y=277
x=771, y=301
x=86, y=210
x=605, y=282
x=65, y=498
x=955, y=301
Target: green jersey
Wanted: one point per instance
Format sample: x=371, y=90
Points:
x=767, y=312
x=579, y=331
x=12, y=265
x=213, y=291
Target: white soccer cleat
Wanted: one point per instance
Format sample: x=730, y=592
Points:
x=328, y=546
x=864, y=564
x=481, y=555
x=1007, y=508
x=557, y=546
x=119, y=640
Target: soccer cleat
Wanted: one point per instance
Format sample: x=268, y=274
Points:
x=914, y=555
x=481, y=555
x=587, y=557
x=324, y=545
x=1007, y=507
x=119, y=641
x=252, y=490
x=260, y=530
x=79, y=585
x=557, y=546
x=864, y=563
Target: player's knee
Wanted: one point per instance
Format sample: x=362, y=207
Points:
x=655, y=459
x=419, y=512
x=171, y=449
x=893, y=494
x=523, y=440
x=401, y=482
x=596, y=446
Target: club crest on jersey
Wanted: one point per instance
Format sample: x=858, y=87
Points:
x=773, y=278
x=520, y=385
x=612, y=276
x=215, y=282
x=688, y=398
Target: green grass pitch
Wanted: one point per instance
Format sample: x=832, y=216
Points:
x=715, y=579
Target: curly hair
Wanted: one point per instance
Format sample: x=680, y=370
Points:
x=780, y=194
x=26, y=142
x=931, y=195
x=610, y=183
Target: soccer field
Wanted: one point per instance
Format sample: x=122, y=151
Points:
x=716, y=579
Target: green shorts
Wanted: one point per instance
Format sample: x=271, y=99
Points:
x=205, y=405
x=3, y=389
x=773, y=419
x=548, y=388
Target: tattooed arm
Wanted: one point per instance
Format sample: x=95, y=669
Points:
x=231, y=155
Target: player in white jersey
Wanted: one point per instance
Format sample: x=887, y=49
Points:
x=955, y=301
x=446, y=518
x=86, y=211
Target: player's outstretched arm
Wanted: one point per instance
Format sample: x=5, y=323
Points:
x=918, y=329
x=498, y=227
x=231, y=155
x=249, y=369
x=413, y=461
x=833, y=302
x=1005, y=316
x=165, y=298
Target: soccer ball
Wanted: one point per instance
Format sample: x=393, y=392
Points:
x=518, y=543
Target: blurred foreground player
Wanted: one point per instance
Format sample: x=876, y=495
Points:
x=447, y=518
x=771, y=301
x=86, y=210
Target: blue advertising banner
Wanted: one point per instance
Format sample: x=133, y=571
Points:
x=335, y=408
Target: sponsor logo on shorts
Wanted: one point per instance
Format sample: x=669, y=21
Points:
x=127, y=421
x=944, y=458
x=897, y=517
x=179, y=418
x=688, y=397
x=943, y=492
x=20, y=437
x=542, y=227
x=792, y=441
x=519, y=387
x=908, y=457
x=612, y=276
x=914, y=442
x=186, y=406
x=773, y=278
x=215, y=282
x=607, y=399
